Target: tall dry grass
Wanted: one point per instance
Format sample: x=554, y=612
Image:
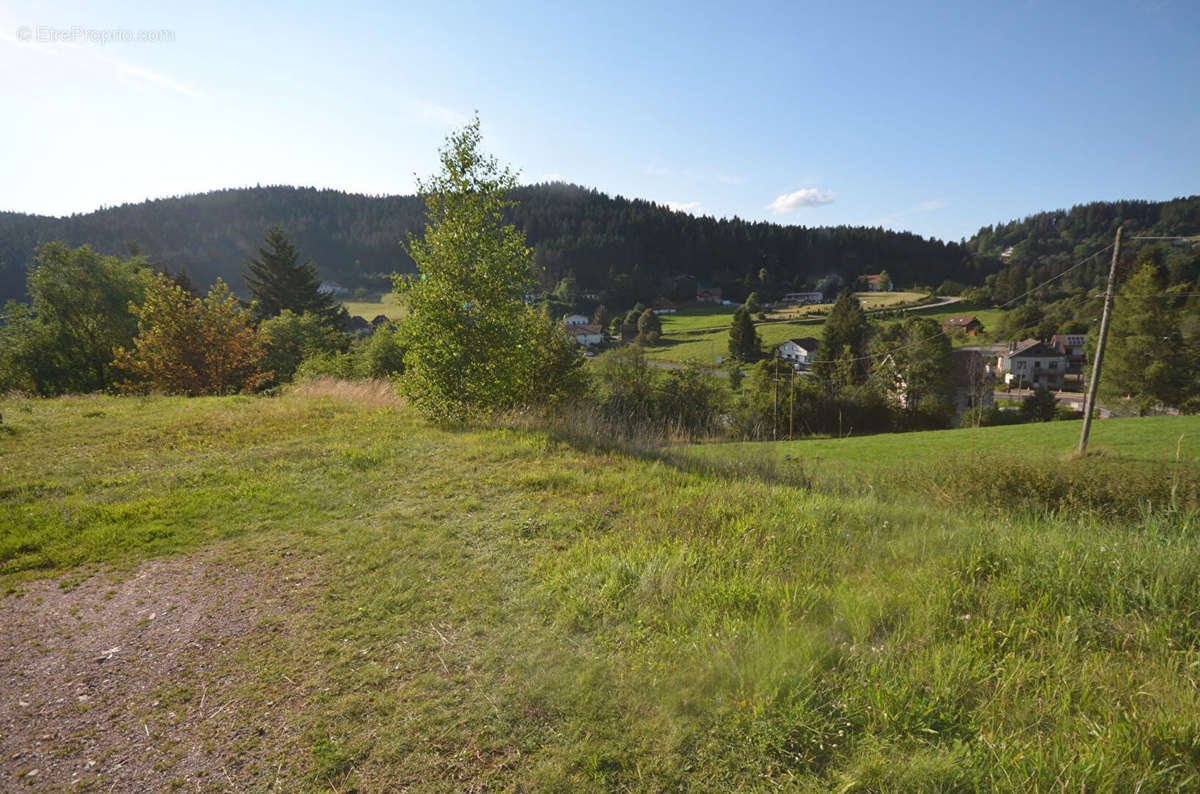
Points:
x=376, y=393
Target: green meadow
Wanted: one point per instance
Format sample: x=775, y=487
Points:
x=388, y=304
x=513, y=607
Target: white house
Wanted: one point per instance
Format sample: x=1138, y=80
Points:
x=333, y=288
x=574, y=319
x=803, y=298
x=1071, y=346
x=799, y=351
x=1034, y=363
x=586, y=335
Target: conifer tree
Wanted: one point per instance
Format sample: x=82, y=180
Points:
x=278, y=281
x=846, y=336
x=744, y=342
x=1147, y=360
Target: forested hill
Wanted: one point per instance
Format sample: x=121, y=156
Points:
x=633, y=247
x=607, y=242
x=1046, y=244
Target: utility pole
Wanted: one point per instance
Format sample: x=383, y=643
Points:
x=792, y=406
x=775, y=412
x=1089, y=405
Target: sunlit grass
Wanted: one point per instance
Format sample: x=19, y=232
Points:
x=388, y=304
x=502, y=609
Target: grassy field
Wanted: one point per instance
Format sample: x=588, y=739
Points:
x=388, y=304
x=989, y=317
x=501, y=608
x=684, y=338
x=706, y=347
x=691, y=318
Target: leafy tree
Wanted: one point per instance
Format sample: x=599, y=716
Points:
x=600, y=316
x=842, y=356
x=382, y=354
x=744, y=341
x=567, y=291
x=920, y=353
x=473, y=346
x=279, y=282
x=193, y=346
x=885, y=281
x=78, y=315
x=623, y=384
x=1039, y=406
x=691, y=400
x=649, y=328
x=290, y=338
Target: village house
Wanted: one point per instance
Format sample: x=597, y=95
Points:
x=586, y=335
x=1071, y=346
x=709, y=294
x=798, y=351
x=575, y=319
x=874, y=281
x=333, y=288
x=663, y=306
x=964, y=325
x=1032, y=363
x=803, y=298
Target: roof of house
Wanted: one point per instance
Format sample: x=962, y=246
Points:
x=806, y=342
x=1032, y=347
x=960, y=322
x=584, y=330
x=1068, y=339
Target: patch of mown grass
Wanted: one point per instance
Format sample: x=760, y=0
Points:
x=501, y=609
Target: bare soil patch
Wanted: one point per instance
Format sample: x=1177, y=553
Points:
x=130, y=681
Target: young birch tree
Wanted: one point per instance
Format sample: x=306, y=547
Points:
x=473, y=346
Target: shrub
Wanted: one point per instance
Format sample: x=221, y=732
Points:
x=290, y=338
x=193, y=346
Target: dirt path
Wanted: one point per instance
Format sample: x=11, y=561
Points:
x=132, y=684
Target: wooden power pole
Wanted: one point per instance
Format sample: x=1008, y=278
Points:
x=1089, y=405
x=792, y=406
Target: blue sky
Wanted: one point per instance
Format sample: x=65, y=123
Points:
x=932, y=117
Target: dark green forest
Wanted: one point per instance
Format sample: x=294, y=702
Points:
x=631, y=248
x=1018, y=254
x=607, y=242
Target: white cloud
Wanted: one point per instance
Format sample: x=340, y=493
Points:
x=804, y=197
x=684, y=206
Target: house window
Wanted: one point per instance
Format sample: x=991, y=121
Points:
x=1053, y=365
